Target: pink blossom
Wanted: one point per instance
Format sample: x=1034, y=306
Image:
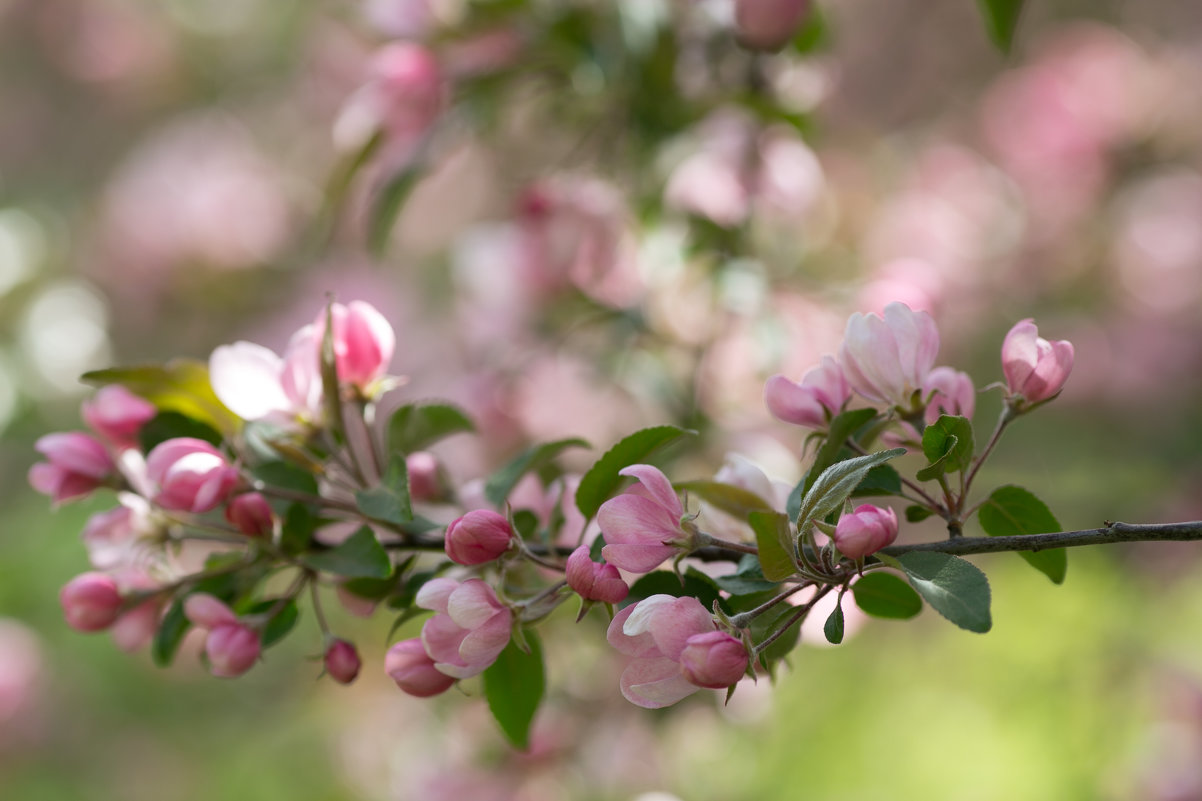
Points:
x=408, y=664
x=231, y=647
x=471, y=628
x=865, y=530
x=363, y=344
x=641, y=525
x=112, y=537
x=822, y=394
x=191, y=475
x=91, y=602
x=402, y=97
x=713, y=660
x=949, y=392
x=427, y=481
x=251, y=514
x=594, y=581
x=768, y=24
x=77, y=463
x=256, y=384
x=1035, y=369
x=656, y=631
x=117, y=414
x=886, y=359
x=342, y=662
x=478, y=537
x=137, y=627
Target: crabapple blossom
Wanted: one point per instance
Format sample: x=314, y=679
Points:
x=594, y=581
x=643, y=527
x=363, y=344
x=478, y=537
x=949, y=392
x=91, y=602
x=408, y=664
x=136, y=628
x=231, y=647
x=427, y=482
x=887, y=359
x=76, y=463
x=768, y=24
x=112, y=537
x=865, y=530
x=471, y=627
x=251, y=514
x=342, y=662
x=713, y=660
x=191, y=475
x=1035, y=369
x=256, y=384
x=117, y=414
x=822, y=394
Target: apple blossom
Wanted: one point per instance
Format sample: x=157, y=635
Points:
x=91, y=602
x=642, y=527
x=865, y=530
x=949, y=392
x=713, y=660
x=887, y=359
x=251, y=514
x=256, y=384
x=117, y=414
x=427, y=481
x=594, y=581
x=191, y=475
x=231, y=647
x=822, y=394
x=478, y=537
x=408, y=664
x=1035, y=369
x=470, y=629
x=363, y=344
x=76, y=463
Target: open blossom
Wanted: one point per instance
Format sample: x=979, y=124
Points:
x=865, y=530
x=231, y=647
x=76, y=463
x=471, y=628
x=950, y=392
x=594, y=581
x=256, y=384
x=887, y=359
x=1035, y=369
x=91, y=602
x=478, y=537
x=821, y=395
x=117, y=414
x=191, y=475
x=363, y=343
x=656, y=632
x=112, y=537
x=408, y=664
x=640, y=525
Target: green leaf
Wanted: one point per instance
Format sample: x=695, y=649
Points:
x=954, y=587
x=296, y=531
x=602, y=479
x=842, y=428
x=886, y=595
x=881, y=480
x=793, y=504
x=1001, y=20
x=916, y=513
x=390, y=500
x=388, y=203
x=948, y=445
x=361, y=556
x=286, y=476
x=663, y=582
x=749, y=578
x=774, y=539
x=180, y=385
x=170, y=425
x=172, y=628
x=767, y=624
x=280, y=623
x=417, y=426
x=514, y=687
x=833, y=628
x=835, y=486
x=502, y=482
x=735, y=501
x=1013, y=511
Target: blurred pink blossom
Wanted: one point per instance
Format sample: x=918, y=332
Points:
x=950, y=392
x=821, y=394
x=256, y=384
x=768, y=24
x=191, y=475
x=117, y=414
x=251, y=514
x=342, y=661
x=231, y=647
x=76, y=464
x=401, y=98
x=90, y=602
x=363, y=343
x=594, y=581
x=408, y=664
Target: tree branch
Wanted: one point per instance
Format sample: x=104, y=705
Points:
x=1111, y=533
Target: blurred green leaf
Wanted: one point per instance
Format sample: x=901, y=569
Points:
x=916, y=513
x=171, y=425
x=296, y=531
x=390, y=500
x=417, y=426
x=1001, y=20
x=280, y=623
x=956, y=588
x=170, y=634
x=360, y=556
x=773, y=538
x=602, y=479
x=180, y=385
x=735, y=501
x=388, y=202
x=502, y=482
x=1012, y=511
x=886, y=595
x=286, y=476
x=514, y=687
x=747, y=579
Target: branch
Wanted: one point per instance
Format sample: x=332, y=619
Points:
x=1111, y=533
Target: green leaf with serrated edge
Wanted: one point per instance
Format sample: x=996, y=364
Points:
x=663, y=582
x=286, y=476
x=842, y=428
x=180, y=385
x=360, y=556
x=833, y=628
x=171, y=425
x=170, y=634
x=735, y=501
x=954, y=587
x=1001, y=20
x=417, y=426
x=1013, y=511
x=916, y=513
x=602, y=479
x=390, y=500
x=948, y=445
x=835, y=486
x=297, y=529
x=772, y=534
x=514, y=687
x=880, y=480
x=886, y=595
x=280, y=623
x=502, y=482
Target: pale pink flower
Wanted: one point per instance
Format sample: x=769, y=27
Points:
x=949, y=392
x=478, y=537
x=642, y=527
x=713, y=660
x=408, y=664
x=117, y=414
x=1035, y=369
x=594, y=581
x=865, y=530
x=886, y=359
x=90, y=602
x=768, y=24
x=427, y=481
x=402, y=97
x=113, y=537
x=231, y=647
x=191, y=475
x=471, y=628
x=256, y=384
x=822, y=394
x=136, y=628
x=342, y=662
x=363, y=344
x=76, y=463
x=251, y=514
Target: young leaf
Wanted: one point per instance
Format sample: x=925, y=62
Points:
x=835, y=486
x=842, y=428
x=663, y=582
x=502, y=482
x=390, y=500
x=514, y=687
x=833, y=628
x=1012, y=511
x=417, y=426
x=954, y=587
x=280, y=623
x=880, y=480
x=948, y=446
x=1001, y=20
x=602, y=479
x=916, y=513
x=735, y=501
x=169, y=425
x=286, y=476
x=885, y=595
x=296, y=532
x=361, y=556
x=747, y=579
x=774, y=539
x=172, y=628
x=180, y=385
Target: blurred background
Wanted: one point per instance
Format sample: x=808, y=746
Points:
x=587, y=217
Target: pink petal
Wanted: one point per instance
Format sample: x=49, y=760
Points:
x=657, y=485
x=435, y=593
x=655, y=683
x=208, y=612
x=246, y=378
x=473, y=603
x=639, y=645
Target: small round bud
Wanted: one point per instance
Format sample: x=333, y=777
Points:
x=427, y=482
x=408, y=664
x=865, y=531
x=232, y=649
x=478, y=537
x=713, y=660
x=91, y=602
x=1035, y=369
x=251, y=514
x=342, y=662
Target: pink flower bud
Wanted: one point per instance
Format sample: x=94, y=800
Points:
x=91, y=602
x=821, y=395
x=117, y=414
x=208, y=612
x=713, y=660
x=363, y=343
x=76, y=463
x=655, y=632
x=191, y=474
x=1035, y=369
x=866, y=530
x=640, y=524
x=342, y=662
x=887, y=359
x=408, y=664
x=478, y=537
x=137, y=627
x=251, y=514
x=426, y=479
x=594, y=581
x=232, y=649
x=950, y=392
x=768, y=24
